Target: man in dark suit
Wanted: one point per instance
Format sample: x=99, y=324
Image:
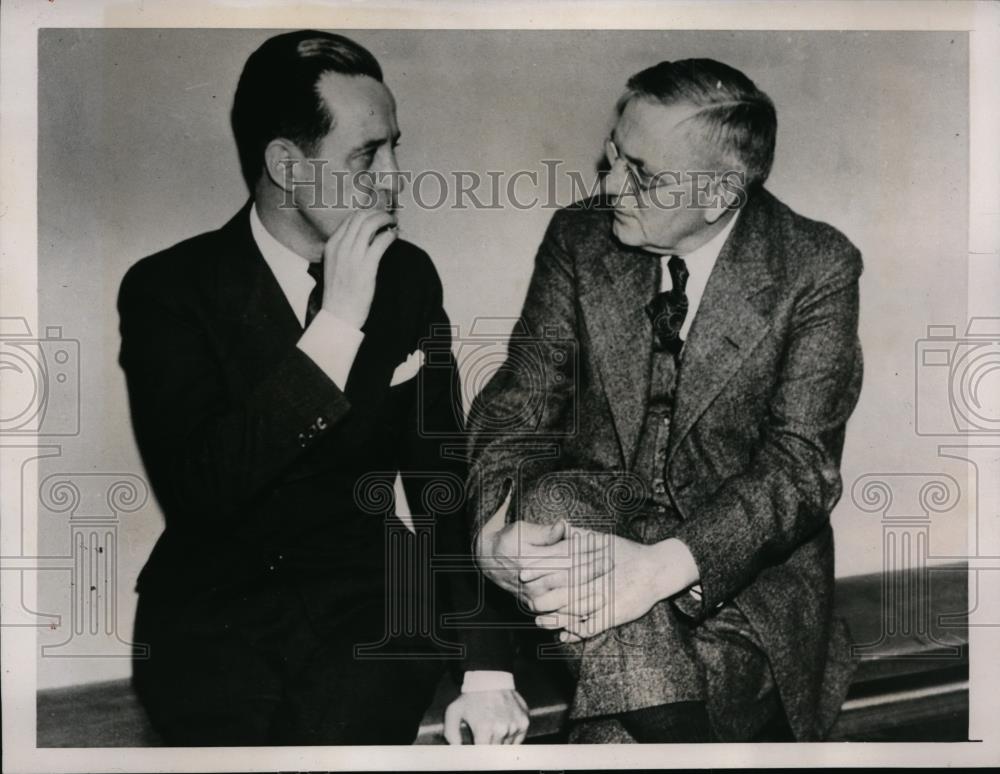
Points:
x=688, y=346
x=271, y=374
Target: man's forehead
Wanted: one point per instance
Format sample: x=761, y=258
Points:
x=653, y=127
x=360, y=104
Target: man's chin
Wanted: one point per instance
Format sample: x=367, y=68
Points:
x=626, y=232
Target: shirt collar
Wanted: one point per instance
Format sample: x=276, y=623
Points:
x=708, y=253
x=290, y=269
x=271, y=248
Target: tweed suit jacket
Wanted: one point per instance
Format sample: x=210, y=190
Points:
x=770, y=373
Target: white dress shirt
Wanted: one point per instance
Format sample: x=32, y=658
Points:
x=699, y=264
x=333, y=344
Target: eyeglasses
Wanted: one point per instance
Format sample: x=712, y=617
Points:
x=643, y=183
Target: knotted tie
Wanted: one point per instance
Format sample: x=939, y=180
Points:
x=668, y=309
x=316, y=295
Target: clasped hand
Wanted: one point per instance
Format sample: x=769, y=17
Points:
x=580, y=581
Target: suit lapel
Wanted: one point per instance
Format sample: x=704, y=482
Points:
x=621, y=333
x=731, y=319
x=263, y=324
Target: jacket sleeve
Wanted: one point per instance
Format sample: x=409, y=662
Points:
x=786, y=493
x=206, y=453
x=517, y=422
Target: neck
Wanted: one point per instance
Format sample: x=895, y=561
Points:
x=286, y=224
x=692, y=242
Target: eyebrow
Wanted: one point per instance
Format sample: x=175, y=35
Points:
x=376, y=142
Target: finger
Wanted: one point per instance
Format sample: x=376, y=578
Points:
x=542, y=534
x=557, y=621
x=569, y=637
x=369, y=227
x=553, y=621
x=590, y=626
x=522, y=729
x=452, y=725
x=550, y=601
x=344, y=226
x=542, y=580
x=505, y=506
x=378, y=247
x=561, y=555
x=585, y=567
x=351, y=225
x=481, y=734
x=584, y=606
x=336, y=239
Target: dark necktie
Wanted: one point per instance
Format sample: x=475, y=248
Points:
x=668, y=309
x=316, y=295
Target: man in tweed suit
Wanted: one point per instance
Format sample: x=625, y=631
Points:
x=700, y=359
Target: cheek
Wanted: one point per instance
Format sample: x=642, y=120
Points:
x=654, y=222
x=325, y=220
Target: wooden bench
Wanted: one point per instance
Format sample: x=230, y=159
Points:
x=911, y=683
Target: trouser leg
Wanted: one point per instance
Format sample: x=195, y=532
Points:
x=203, y=688
x=683, y=721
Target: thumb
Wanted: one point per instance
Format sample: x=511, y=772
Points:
x=551, y=534
x=453, y=723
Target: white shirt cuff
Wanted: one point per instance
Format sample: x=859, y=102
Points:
x=487, y=680
x=332, y=344
x=696, y=593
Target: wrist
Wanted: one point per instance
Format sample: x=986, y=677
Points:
x=341, y=304
x=350, y=316
x=675, y=567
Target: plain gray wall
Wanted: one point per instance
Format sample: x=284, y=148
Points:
x=135, y=153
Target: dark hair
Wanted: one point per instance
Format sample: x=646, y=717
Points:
x=734, y=116
x=277, y=96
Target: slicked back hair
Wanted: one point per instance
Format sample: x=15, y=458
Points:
x=732, y=117
x=277, y=95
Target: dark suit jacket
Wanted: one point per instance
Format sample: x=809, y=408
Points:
x=259, y=461
x=770, y=373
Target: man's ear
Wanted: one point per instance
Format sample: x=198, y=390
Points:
x=727, y=192
x=283, y=162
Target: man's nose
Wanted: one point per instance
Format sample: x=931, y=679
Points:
x=389, y=179
x=614, y=180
